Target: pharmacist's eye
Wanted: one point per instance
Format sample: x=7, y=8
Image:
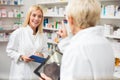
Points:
x=34, y=15
x=40, y=16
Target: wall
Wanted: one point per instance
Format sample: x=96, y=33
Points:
x=4, y=59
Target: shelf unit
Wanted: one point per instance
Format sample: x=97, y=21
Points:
x=10, y=14
x=63, y=3
x=109, y=17
x=11, y=17
x=113, y=20
x=4, y=35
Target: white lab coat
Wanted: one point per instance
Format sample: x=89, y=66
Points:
x=23, y=42
x=87, y=56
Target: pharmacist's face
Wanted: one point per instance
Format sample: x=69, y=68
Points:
x=35, y=18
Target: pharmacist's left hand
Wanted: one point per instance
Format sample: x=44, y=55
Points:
x=39, y=54
x=62, y=33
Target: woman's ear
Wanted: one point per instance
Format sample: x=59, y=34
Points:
x=70, y=19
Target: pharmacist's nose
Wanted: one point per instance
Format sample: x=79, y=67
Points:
x=36, y=18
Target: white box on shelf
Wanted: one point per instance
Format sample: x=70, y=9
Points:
x=10, y=14
x=3, y=12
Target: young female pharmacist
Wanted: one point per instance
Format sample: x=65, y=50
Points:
x=25, y=41
x=87, y=55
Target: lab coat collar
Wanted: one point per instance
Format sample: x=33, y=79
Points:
x=91, y=30
x=29, y=29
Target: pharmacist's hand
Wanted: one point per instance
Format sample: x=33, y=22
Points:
x=39, y=54
x=62, y=32
x=44, y=77
x=25, y=58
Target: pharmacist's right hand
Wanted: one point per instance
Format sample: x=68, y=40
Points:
x=25, y=58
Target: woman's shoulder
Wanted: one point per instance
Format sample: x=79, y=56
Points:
x=18, y=30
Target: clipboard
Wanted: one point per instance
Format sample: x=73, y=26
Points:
x=38, y=59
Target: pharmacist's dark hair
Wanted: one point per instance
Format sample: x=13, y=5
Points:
x=52, y=70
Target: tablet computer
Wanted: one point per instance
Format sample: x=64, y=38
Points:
x=54, y=57
x=38, y=69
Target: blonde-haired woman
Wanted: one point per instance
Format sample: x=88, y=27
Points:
x=88, y=54
x=25, y=41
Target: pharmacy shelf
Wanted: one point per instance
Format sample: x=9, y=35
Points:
x=10, y=17
x=10, y=5
x=110, y=17
x=53, y=3
x=112, y=36
x=51, y=29
x=48, y=15
x=3, y=41
x=6, y=31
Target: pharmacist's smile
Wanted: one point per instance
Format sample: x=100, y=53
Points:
x=35, y=22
